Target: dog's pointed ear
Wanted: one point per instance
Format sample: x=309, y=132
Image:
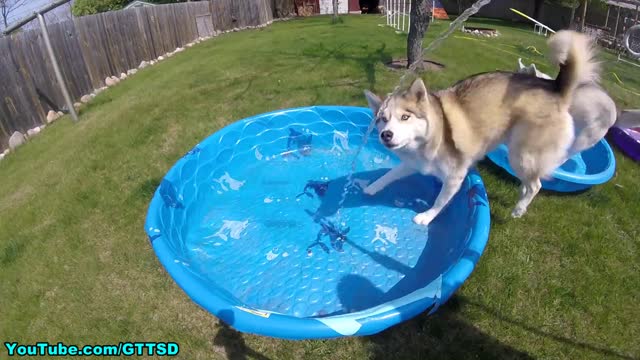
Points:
x=373, y=100
x=418, y=90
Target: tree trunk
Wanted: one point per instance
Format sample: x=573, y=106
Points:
x=584, y=15
x=419, y=23
x=4, y=15
x=573, y=15
x=335, y=11
x=537, y=8
x=284, y=8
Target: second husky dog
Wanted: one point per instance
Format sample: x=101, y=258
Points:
x=444, y=133
x=593, y=112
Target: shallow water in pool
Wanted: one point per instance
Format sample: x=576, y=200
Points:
x=265, y=229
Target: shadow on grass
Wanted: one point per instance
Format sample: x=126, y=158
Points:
x=513, y=25
x=145, y=190
x=366, y=60
x=448, y=335
x=232, y=341
x=570, y=342
x=443, y=335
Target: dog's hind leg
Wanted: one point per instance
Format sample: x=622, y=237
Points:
x=530, y=189
x=526, y=167
x=534, y=153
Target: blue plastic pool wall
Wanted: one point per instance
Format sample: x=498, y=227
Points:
x=186, y=185
x=593, y=166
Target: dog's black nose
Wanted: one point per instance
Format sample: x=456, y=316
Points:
x=386, y=135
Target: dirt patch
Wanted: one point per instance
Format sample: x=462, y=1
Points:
x=401, y=64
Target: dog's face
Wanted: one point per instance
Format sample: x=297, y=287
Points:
x=402, y=119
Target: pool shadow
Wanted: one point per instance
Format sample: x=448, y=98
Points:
x=417, y=193
x=358, y=293
x=441, y=236
x=231, y=341
x=444, y=335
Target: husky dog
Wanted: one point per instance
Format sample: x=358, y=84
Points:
x=593, y=112
x=444, y=133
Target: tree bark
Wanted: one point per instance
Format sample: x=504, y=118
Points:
x=537, y=8
x=573, y=15
x=284, y=8
x=419, y=23
x=584, y=15
x=335, y=10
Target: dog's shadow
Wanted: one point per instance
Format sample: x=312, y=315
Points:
x=416, y=192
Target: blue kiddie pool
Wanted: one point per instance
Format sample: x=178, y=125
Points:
x=262, y=225
x=593, y=166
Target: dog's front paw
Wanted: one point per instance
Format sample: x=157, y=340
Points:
x=423, y=218
x=518, y=212
x=370, y=190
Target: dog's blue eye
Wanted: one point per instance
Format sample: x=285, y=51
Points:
x=405, y=117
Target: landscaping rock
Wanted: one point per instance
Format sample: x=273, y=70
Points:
x=33, y=132
x=85, y=99
x=160, y=58
x=110, y=81
x=77, y=106
x=52, y=116
x=123, y=76
x=16, y=139
x=143, y=65
x=6, y=152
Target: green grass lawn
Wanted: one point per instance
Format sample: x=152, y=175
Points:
x=76, y=266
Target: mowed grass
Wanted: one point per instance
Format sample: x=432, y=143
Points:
x=76, y=265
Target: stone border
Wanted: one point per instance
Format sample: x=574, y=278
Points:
x=17, y=139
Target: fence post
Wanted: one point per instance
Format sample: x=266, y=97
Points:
x=615, y=31
x=56, y=68
x=211, y=12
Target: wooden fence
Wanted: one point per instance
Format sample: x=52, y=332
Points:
x=92, y=48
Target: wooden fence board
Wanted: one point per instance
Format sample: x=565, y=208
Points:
x=91, y=48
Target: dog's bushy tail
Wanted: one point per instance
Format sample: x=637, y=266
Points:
x=628, y=119
x=575, y=54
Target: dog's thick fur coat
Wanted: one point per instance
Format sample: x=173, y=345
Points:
x=593, y=112
x=445, y=133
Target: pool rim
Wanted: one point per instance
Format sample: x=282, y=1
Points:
x=570, y=181
x=229, y=309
